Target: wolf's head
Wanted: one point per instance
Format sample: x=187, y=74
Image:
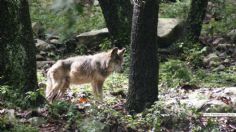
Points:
x=116, y=59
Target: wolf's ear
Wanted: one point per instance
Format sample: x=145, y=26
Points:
x=121, y=52
x=114, y=51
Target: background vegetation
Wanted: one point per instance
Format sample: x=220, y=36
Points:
x=185, y=68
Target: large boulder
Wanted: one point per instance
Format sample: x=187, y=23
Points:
x=165, y=25
x=38, y=30
x=232, y=35
x=203, y=99
x=92, y=38
x=211, y=59
x=95, y=37
x=44, y=46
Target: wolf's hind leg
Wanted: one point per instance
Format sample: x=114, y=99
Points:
x=55, y=89
x=97, y=89
x=62, y=90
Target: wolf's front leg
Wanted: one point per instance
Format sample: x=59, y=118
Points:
x=97, y=89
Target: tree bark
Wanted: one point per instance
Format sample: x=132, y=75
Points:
x=195, y=19
x=143, y=79
x=118, y=15
x=17, y=54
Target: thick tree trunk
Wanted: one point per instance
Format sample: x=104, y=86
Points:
x=143, y=79
x=195, y=19
x=17, y=54
x=118, y=15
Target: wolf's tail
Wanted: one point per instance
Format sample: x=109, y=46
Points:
x=49, y=85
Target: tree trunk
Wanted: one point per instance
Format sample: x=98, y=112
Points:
x=17, y=54
x=118, y=14
x=143, y=79
x=195, y=19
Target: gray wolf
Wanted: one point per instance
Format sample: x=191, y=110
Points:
x=92, y=69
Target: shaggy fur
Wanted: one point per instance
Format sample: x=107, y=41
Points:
x=92, y=69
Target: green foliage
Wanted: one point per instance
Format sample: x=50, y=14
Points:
x=192, y=53
x=65, y=18
x=174, y=72
x=178, y=9
x=105, y=45
x=224, y=21
x=91, y=125
x=68, y=111
x=14, y=97
x=7, y=125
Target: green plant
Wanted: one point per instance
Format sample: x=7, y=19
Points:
x=174, y=72
x=223, y=18
x=66, y=110
x=65, y=18
x=178, y=9
x=7, y=125
x=105, y=45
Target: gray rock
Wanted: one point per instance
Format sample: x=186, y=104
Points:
x=232, y=35
x=165, y=25
x=210, y=57
x=95, y=37
x=217, y=41
x=95, y=3
x=195, y=103
x=230, y=91
x=43, y=64
x=219, y=68
x=38, y=29
x=92, y=38
x=44, y=46
x=40, y=58
x=215, y=106
x=226, y=61
x=10, y=114
x=36, y=121
x=54, y=41
x=223, y=55
x=223, y=47
x=43, y=53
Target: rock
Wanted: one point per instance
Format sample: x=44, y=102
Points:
x=230, y=91
x=10, y=114
x=38, y=30
x=210, y=57
x=44, y=46
x=226, y=62
x=217, y=41
x=219, y=68
x=92, y=38
x=211, y=60
x=42, y=85
x=54, y=41
x=37, y=121
x=223, y=47
x=165, y=25
x=215, y=106
x=40, y=58
x=232, y=35
x=223, y=55
x=95, y=3
x=43, y=53
x=197, y=103
x=43, y=64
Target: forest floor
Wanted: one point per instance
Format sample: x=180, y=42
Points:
x=201, y=79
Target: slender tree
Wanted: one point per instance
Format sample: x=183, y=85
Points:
x=17, y=53
x=143, y=79
x=195, y=19
x=118, y=15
